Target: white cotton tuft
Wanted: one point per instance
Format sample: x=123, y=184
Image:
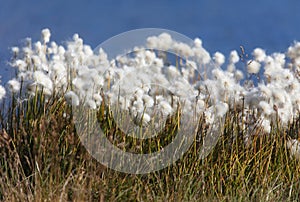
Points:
x=88, y=50
x=152, y=42
x=294, y=53
x=221, y=109
x=253, y=67
x=54, y=48
x=138, y=105
x=148, y=101
x=91, y=104
x=266, y=92
x=149, y=56
x=158, y=63
x=201, y=55
x=2, y=92
x=294, y=146
x=234, y=57
x=219, y=58
x=46, y=35
x=165, y=108
x=165, y=40
x=209, y=116
x=172, y=72
x=266, y=125
x=72, y=98
x=239, y=75
x=183, y=50
x=162, y=42
x=20, y=64
x=279, y=95
x=14, y=85
x=38, y=47
x=146, y=119
x=15, y=50
x=97, y=98
x=259, y=54
x=43, y=79
x=267, y=109
x=279, y=58
x=198, y=43
x=231, y=68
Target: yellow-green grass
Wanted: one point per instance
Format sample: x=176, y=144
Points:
x=42, y=159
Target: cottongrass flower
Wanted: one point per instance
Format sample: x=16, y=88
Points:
x=71, y=98
x=267, y=109
x=210, y=115
x=2, y=92
x=265, y=91
x=259, y=54
x=279, y=58
x=239, y=75
x=146, y=118
x=147, y=101
x=42, y=79
x=20, y=64
x=294, y=146
x=138, y=105
x=183, y=50
x=14, y=85
x=294, y=53
x=53, y=49
x=198, y=43
x=279, y=95
x=165, y=108
x=172, y=72
x=219, y=58
x=15, y=51
x=201, y=55
x=266, y=125
x=253, y=67
x=91, y=104
x=221, y=109
x=234, y=57
x=162, y=42
x=46, y=35
x=97, y=98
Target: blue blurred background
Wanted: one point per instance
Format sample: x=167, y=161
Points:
x=222, y=25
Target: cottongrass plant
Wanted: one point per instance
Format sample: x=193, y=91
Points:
x=256, y=157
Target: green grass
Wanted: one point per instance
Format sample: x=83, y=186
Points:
x=42, y=159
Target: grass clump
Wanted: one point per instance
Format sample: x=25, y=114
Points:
x=42, y=159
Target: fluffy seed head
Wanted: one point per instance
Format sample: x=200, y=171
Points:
x=46, y=35
x=219, y=58
x=253, y=67
x=259, y=54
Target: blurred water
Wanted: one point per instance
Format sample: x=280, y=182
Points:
x=222, y=25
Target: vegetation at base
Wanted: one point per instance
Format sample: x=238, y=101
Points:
x=42, y=159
